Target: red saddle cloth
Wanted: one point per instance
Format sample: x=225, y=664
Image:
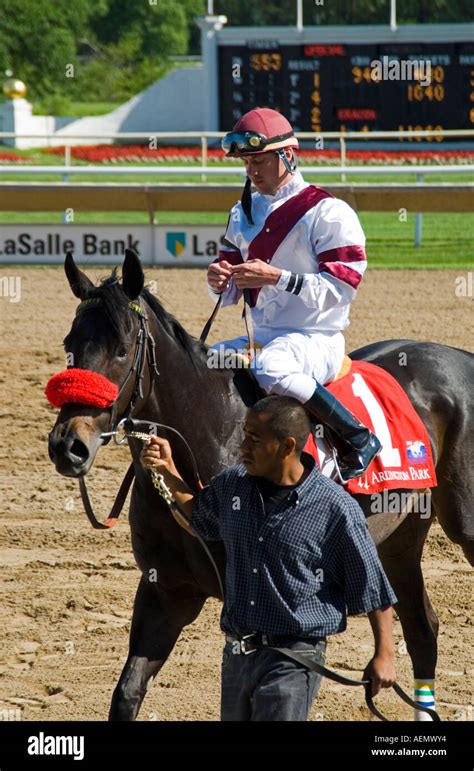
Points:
x=380, y=403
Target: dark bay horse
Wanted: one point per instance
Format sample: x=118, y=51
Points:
x=208, y=407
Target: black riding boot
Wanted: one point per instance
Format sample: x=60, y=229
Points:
x=363, y=443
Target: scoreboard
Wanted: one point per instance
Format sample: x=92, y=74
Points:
x=331, y=87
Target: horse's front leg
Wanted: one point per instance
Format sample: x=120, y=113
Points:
x=155, y=628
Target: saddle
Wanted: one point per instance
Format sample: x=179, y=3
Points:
x=244, y=359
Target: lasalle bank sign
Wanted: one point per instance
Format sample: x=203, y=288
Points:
x=155, y=244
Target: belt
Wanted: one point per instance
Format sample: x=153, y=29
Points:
x=249, y=643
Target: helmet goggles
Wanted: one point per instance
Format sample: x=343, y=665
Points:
x=250, y=141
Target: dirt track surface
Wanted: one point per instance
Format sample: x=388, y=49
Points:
x=67, y=591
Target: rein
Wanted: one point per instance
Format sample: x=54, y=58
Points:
x=131, y=427
x=165, y=492
x=337, y=678
x=247, y=315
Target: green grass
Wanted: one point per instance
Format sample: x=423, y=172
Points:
x=84, y=109
x=447, y=241
x=158, y=177
x=116, y=218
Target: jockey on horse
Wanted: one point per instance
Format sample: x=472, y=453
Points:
x=297, y=255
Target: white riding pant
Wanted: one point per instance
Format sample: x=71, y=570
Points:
x=290, y=363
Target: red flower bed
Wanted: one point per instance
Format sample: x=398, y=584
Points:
x=137, y=153
x=12, y=157
x=134, y=153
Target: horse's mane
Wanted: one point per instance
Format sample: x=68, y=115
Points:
x=115, y=304
x=174, y=328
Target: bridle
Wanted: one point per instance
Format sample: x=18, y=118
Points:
x=145, y=353
x=145, y=350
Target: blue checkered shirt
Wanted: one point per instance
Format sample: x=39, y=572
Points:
x=299, y=570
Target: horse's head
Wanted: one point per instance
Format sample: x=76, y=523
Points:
x=103, y=339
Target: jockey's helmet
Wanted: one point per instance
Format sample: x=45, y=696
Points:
x=260, y=130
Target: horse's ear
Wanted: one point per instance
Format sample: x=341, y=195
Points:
x=78, y=280
x=133, y=277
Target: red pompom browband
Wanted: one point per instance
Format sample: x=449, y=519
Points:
x=81, y=386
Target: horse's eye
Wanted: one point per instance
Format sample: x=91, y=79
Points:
x=121, y=352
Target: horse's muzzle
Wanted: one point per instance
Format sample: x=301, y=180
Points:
x=71, y=453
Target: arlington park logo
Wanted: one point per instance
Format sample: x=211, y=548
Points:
x=176, y=243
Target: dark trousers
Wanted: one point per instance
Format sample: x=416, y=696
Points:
x=266, y=685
